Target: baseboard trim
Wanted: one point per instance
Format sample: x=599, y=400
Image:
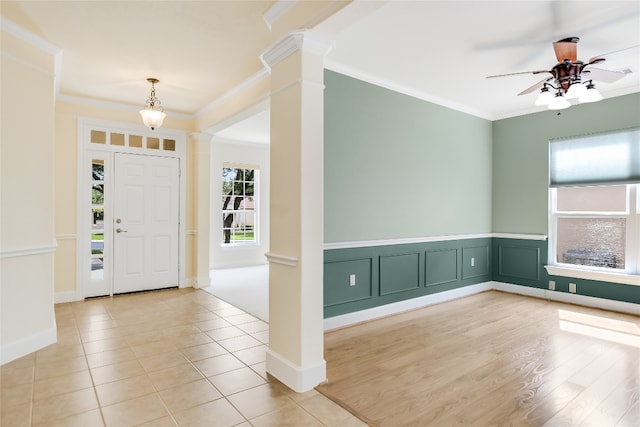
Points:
x=587, y=301
x=361, y=316
x=297, y=378
x=350, y=319
x=15, y=350
x=66, y=296
x=200, y=282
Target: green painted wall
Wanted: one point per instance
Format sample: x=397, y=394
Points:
x=397, y=167
x=521, y=157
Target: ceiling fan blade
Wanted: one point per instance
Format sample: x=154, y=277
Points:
x=605, y=76
x=566, y=49
x=621, y=53
x=515, y=74
x=535, y=86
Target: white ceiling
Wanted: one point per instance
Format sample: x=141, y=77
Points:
x=440, y=51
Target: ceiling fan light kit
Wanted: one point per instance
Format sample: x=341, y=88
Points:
x=570, y=78
x=153, y=114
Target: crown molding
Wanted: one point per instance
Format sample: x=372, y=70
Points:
x=278, y=9
x=116, y=106
x=292, y=42
x=27, y=36
x=257, y=77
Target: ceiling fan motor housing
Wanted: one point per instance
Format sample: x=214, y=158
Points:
x=567, y=72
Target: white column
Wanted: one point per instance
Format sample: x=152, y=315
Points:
x=203, y=207
x=296, y=348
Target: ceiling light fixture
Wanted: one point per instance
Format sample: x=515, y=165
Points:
x=153, y=114
x=568, y=84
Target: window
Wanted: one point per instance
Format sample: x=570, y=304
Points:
x=238, y=205
x=97, y=219
x=594, y=206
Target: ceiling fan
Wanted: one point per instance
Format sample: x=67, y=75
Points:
x=570, y=78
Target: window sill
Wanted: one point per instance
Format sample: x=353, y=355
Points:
x=603, y=276
x=239, y=245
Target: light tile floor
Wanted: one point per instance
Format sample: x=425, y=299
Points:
x=178, y=357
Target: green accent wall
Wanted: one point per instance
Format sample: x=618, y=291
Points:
x=397, y=167
x=521, y=157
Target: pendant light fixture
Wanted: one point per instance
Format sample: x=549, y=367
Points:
x=153, y=114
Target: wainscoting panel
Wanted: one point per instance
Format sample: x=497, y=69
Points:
x=339, y=286
x=399, y=273
x=520, y=261
x=475, y=261
x=441, y=267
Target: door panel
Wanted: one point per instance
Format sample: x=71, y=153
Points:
x=146, y=222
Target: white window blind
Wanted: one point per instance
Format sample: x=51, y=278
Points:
x=606, y=158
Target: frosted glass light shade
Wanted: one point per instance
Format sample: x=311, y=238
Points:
x=591, y=95
x=576, y=90
x=559, y=103
x=544, y=98
x=152, y=118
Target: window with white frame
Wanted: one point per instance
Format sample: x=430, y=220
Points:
x=239, y=207
x=594, y=207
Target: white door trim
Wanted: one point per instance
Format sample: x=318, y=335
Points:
x=84, y=156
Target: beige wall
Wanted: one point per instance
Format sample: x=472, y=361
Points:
x=66, y=154
x=27, y=241
x=67, y=114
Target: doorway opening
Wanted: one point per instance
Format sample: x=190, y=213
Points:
x=131, y=197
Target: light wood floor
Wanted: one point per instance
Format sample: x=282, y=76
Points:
x=492, y=359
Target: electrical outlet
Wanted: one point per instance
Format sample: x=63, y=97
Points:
x=352, y=280
x=473, y=262
x=572, y=288
x=552, y=285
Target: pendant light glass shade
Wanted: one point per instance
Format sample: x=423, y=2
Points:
x=559, y=102
x=576, y=90
x=545, y=97
x=152, y=118
x=591, y=94
x=152, y=114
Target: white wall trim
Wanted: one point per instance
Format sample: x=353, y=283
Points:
x=26, y=345
x=281, y=259
x=584, y=300
x=427, y=239
x=200, y=282
x=519, y=236
x=292, y=42
x=298, y=378
x=66, y=236
x=66, y=296
x=350, y=319
x=278, y=9
x=34, y=250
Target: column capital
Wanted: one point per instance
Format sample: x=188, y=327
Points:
x=296, y=40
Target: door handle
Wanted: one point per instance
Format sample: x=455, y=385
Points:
x=120, y=230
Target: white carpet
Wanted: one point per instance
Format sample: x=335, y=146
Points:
x=246, y=288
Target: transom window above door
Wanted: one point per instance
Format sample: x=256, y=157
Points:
x=118, y=139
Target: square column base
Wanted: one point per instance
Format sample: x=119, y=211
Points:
x=297, y=378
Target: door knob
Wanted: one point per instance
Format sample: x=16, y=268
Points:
x=120, y=230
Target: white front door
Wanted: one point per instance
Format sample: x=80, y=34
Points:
x=145, y=222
